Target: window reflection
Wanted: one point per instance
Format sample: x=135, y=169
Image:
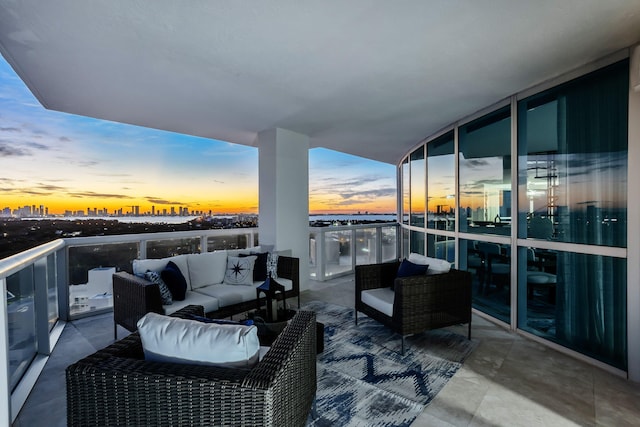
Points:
x=417, y=242
x=441, y=247
x=485, y=174
x=573, y=161
x=22, y=322
x=405, y=192
x=441, y=183
x=576, y=300
x=490, y=264
x=418, y=177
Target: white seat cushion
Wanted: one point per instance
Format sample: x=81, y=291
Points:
x=228, y=294
x=193, y=298
x=380, y=299
x=175, y=340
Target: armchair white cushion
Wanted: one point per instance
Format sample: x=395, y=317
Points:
x=175, y=340
x=380, y=299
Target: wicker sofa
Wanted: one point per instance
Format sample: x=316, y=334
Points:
x=117, y=387
x=420, y=303
x=133, y=296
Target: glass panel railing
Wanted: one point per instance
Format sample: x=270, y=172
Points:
x=389, y=243
x=90, y=271
x=314, y=272
x=170, y=247
x=336, y=250
x=230, y=241
x=53, y=313
x=21, y=322
x=366, y=246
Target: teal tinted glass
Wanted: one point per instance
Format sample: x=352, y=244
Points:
x=441, y=182
x=405, y=192
x=490, y=264
x=418, y=184
x=485, y=174
x=441, y=247
x=417, y=242
x=572, y=164
x=576, y=300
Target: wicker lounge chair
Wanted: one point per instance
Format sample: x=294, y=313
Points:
x=420, y=303
x=117, y=387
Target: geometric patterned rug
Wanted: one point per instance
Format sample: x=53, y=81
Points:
x=364, y=380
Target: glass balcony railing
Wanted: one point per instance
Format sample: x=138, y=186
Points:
x=71, y=278
x=336, y=250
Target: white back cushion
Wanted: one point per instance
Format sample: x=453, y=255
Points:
x=140, y=266
x=435, y=265
x=175, y=340
x=207, y=268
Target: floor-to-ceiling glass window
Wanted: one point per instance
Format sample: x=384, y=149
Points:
x=441, y=247
x=485, y=174
x=417, y=242
x=405, y=191
x=441, y=183
x=418, y=187
x=572, y=161
x=572, y=189
x=485, y=207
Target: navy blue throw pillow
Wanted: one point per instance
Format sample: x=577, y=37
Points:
x=407, y=268
x=259, y=266
x=172, y=276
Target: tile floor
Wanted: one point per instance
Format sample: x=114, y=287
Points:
x=507, y=381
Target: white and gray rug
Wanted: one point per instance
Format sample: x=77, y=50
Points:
x=363, y=380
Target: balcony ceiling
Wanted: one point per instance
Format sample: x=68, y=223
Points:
x=369, y=78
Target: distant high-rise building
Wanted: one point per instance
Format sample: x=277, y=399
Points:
x=173, y=211
x=153, y=210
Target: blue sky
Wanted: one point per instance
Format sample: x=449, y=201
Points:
x=64, y=161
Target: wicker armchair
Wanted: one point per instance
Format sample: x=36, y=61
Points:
x=117, y=387
x=420, y=303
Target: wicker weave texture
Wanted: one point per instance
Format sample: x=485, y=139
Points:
x=116, y=387
x=421, y=302
x=133, y=297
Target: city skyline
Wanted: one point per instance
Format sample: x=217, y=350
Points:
x=72, y=163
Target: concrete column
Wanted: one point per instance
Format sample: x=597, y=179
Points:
x=284, y=194
x=633, y=223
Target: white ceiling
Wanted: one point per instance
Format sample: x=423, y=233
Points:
x=370, y=78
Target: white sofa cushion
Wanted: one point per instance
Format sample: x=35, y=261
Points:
x=171, y=339
x=435, y=265
x=229, y=294
x=380, y=299
x=207, y=268
x=239, y=270
x=140, y=266
x=193, y=298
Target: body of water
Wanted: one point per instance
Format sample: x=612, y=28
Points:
x=183, y=219
x=355, y=217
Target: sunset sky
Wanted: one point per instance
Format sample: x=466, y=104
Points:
x=68, y=162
